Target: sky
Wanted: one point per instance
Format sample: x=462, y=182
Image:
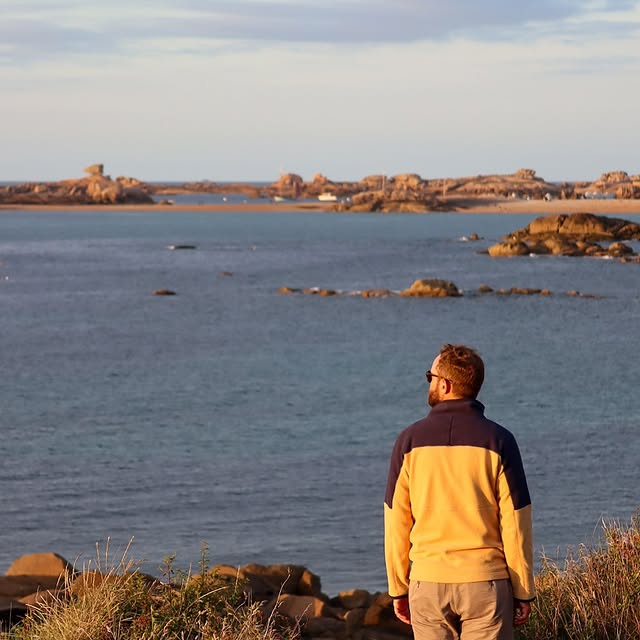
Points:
x=244, y=90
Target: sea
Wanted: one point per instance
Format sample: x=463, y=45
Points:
x=252, y=426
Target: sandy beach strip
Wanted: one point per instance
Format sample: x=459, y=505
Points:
x=266, y=206
x=548, y=207
x=469, y=205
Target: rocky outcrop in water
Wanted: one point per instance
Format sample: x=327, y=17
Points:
x=422, y=288
x=576, y=234
x=381, y=202
x=586, y=226
x=431, y=288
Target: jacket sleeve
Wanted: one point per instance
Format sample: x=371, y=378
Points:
x=516, y=522
x=398, y=522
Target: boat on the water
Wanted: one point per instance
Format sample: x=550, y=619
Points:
x=328, y=197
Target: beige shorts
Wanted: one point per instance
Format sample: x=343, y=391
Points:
x=461, y=611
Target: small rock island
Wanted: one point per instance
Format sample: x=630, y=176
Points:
x=578, y=234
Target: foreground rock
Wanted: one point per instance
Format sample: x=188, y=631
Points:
x=30, y=580
x=290, y=596
x=576, y=234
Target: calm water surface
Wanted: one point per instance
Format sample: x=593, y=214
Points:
x=263, y=423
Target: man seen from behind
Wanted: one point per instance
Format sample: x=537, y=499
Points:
x=457, y=513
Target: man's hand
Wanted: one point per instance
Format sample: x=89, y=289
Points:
x=521, y=612
x=401, y=609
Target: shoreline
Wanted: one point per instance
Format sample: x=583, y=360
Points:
x=469, y=205
x=548, y=207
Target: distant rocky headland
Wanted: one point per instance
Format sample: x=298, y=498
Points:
x=94, y=188
x=412, y=193
x=400, y=193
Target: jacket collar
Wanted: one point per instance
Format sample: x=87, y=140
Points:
x=463, y=405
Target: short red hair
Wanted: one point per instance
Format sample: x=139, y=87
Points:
x=463, y=367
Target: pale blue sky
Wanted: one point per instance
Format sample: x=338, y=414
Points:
x=244, y=89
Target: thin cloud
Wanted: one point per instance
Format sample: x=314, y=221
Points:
x=36, y=30
x=32, y=38
x=353, y=22
x=379, y=21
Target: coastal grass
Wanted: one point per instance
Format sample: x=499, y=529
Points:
x=595, y=595
x=121, y=603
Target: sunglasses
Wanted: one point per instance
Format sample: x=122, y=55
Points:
x=430, y=376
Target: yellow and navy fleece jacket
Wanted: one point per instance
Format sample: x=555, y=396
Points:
x=457, y=506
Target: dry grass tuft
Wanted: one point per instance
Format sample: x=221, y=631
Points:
x=596, y=595
x=121, y=603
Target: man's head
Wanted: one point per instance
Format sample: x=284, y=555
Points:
x=457, y=372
